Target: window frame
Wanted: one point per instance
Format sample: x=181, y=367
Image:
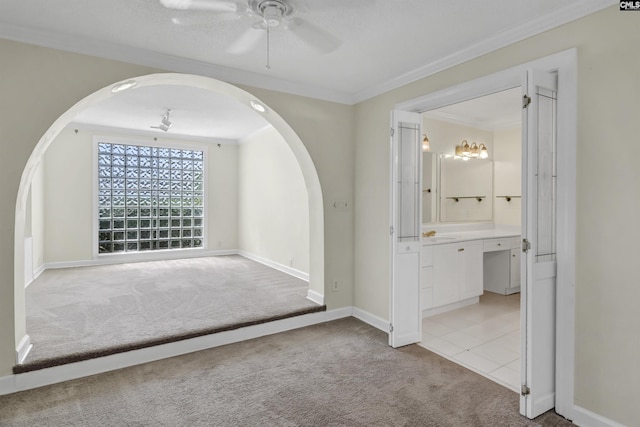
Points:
x=154, y=254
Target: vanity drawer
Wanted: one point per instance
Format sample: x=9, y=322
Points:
x=426, y=256
x=491, y=245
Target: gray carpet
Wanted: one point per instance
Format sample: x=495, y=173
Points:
x=340, y=373
x=81, y=313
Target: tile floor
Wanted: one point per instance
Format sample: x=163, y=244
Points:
x=483, y=337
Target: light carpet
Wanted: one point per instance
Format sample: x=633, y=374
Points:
x=81, y=313
x=340, y=373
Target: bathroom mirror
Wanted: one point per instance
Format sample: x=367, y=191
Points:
x=455, y=190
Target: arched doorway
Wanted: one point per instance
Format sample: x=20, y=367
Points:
x=316, y=221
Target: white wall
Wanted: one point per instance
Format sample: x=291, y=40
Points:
x=507, y=175
x=69, y=193
x=273, y=204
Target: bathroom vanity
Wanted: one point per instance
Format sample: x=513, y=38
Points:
x=456, y=268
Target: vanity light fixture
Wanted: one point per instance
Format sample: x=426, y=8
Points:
x=465, y=151
x=425, y=143
x=484, y=153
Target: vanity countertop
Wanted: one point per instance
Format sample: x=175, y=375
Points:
x=464, y=236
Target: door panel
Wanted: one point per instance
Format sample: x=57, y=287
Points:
x=406, y=222
x=538, y=292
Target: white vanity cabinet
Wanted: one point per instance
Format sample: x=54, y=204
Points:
x=502, y=265
x=455, y=273
x=451, y=273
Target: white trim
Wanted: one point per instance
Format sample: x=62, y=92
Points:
x=42, y=377
x=316, y=297
x=565, y=63
x=23, y=349
x=371, y=319
x=38, y=271
x=567, y=129
x=87, y=46
x=453, y=306
x=584, y=417
x=275, y=265
x=170, y=254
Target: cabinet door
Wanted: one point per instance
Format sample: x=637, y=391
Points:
x=426, y=288
x=446, y=274
x=515, y=268
x=471, y=269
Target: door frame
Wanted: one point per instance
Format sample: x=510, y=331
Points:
x=565, y=64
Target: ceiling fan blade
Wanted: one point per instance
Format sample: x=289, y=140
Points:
x=208, y=5
x=247, y=41
x=191, y=19
x=314, y=36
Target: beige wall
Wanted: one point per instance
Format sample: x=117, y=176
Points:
x=40, y=84
x=326, y=128
x=273, y=205
x=507, y=169
x=607, y=291
x=69, y=194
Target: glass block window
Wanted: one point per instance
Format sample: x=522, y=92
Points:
x=149, y=198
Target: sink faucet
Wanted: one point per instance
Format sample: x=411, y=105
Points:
x=431, y=233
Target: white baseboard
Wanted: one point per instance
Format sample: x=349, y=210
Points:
x=277, y=266
x=139, y=257
x=315, y=297
x=453, y=306
x=28, y=380
x=373, y=320
x=23, y=348
x=38, y=271
x=586, y=418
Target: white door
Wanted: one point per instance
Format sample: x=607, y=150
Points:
x=538, y=292
x=405, y=228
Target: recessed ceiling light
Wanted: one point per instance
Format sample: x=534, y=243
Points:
x=123, y=86
x=260, y=108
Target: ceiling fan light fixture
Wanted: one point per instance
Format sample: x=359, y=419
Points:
x=165, y=122
x=272, y=15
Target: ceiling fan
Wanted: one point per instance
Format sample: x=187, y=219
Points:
x=267, y=15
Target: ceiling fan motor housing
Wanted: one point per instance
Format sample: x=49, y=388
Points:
x=272, y=11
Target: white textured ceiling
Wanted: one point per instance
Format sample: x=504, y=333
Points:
x=194, y=113
x=382, y=43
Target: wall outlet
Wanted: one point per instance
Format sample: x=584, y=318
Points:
x=335, y=286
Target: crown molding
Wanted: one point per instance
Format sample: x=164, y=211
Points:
x=554, y=19
x=132, y=55
x=87, y=46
